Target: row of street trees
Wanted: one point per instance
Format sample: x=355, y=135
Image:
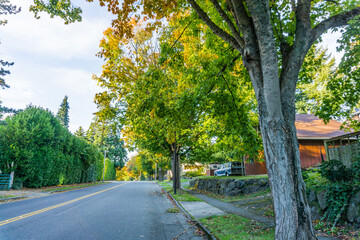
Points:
x=272, y=39
x=176, y=100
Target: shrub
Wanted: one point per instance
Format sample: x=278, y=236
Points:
x=355, y=167
x=43, y=151
x=343, y=184
x=335, y=171
x=195, y=173
x=314, y=180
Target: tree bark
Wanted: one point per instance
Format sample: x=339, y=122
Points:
x=161, y=174
x=175, y=165
x=292, y=212
x=155, y=172
x=281, y=149
x=12, y=174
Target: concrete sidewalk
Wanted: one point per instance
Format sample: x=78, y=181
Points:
x=201, y=209
x=214, y=207
x=232, y=209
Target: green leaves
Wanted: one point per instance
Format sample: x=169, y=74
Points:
x=44, y=152
x=62, y=8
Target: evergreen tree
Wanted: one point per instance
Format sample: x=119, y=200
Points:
x=63, y=113
x=3, y=110
x=80, y=133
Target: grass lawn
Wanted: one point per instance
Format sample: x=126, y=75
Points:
x=7, y=196
x=183, y=180
x=183, y=196
x=164, y=183
x=235, y=227
x=235, y=177
x=234, y=198
x=167, y=182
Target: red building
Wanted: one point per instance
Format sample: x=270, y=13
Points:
x=311, y=133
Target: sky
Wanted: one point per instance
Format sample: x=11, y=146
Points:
x=53, y=60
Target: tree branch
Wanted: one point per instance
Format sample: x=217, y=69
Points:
x=223, y=70
x=216, y=29
x=245, y=25
x=228, y=21
x=181, y=34
x=332, y=22
x=293, y=55
x=233, y=97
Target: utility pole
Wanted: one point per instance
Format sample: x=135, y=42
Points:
x=104, y=166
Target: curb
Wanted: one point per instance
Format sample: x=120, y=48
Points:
x=198, y=224
x=11, y=198
x=44, y=193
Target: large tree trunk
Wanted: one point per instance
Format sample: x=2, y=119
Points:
x=292, y=213
x=277, y=123
x=276, y=102
x=155, y=172
x=161, y=174
x=12, y=175
x=175, y=165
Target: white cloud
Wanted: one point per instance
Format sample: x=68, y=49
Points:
x=53, y=60
x=51, y=37
x=47, y=88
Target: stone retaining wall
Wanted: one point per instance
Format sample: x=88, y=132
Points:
x=318, y=205
x=234, y=187
x=230, y=187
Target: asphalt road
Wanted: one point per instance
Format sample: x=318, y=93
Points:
x=118, y=210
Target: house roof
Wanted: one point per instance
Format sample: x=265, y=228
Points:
x=309, y=126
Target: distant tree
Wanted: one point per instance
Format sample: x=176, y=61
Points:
x=3, y=110
x=80, y=132
x=116, y=148
x=5, y=9
x=63, y=113
x=317, y=72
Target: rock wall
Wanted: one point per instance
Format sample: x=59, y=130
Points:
x=234, y=187
x=230, y=187
x=318, y=205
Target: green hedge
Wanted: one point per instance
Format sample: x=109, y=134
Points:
x=44, y=152
x=110, y=171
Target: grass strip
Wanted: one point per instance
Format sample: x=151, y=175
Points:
x=236, y=177
x=7, y=196
x=235, y=227
x=164, y=183
x=182, y=195
x=234, y=198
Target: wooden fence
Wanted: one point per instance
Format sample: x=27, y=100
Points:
x=343, y=148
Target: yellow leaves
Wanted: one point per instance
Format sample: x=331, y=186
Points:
x=152, y=113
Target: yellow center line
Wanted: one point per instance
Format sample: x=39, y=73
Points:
x=55, y=206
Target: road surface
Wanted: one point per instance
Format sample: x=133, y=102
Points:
x=118, y=210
